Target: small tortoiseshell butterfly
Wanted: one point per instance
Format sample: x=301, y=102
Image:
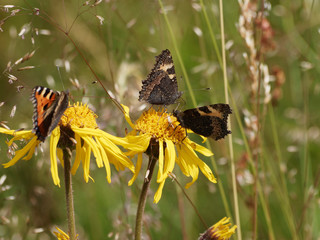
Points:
x=161, y=87
x=49, y=107
x=208, y=121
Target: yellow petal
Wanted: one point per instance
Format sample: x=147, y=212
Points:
x=204, y=151
x=206, y=170
x=169, y=162
x=17, y=135
x=158, y=194
x=137, y=169
x=161, y=160
x=94, y=148
x=202, y=165
x=31, y=151
x=79, y=154
x=86, y=161
x=22, y=152
x=188, y=155
x=111, y=148
x=127, y=116
x=54, y=139
x=105, y=160
x=61, y=235
x=60, y=156
x=182, y=164
x=134, y=143
x=87, y=131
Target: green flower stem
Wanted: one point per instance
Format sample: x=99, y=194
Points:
x=69, y=195
x=143, y=198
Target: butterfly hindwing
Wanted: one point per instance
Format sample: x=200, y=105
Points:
x=209, y=121
x=161, y=86
x=49, y=107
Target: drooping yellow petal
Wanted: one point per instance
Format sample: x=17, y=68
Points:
x=188, y=156
x=161, y=160
x=60, y=156
x=204, y=151
x=86, y=161
x=104, y=159
x=181, y=164
x=169, y=161
x=31, y=151
x=17, y=135
x=133, y=143
x=137, y=169
x=79, y=154
x=54, y=139
x=127, y=116
x=200, y=164
x=87, y=131
x=94, y=148
x=206, y=170
x=22, y=152
x=117, y=153
x=158, y=194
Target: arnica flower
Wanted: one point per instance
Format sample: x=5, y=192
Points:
x=78, y=128
x=163, y=129
x=219, y=231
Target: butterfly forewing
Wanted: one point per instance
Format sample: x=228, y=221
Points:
x=49, y=107
x=161, y=87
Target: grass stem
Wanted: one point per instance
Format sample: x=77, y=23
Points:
x=225, y=79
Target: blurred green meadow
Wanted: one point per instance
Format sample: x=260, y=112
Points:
x=272, y=75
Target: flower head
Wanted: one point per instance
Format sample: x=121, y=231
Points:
x=219, y=231
x=77, y=130
x=159, y=133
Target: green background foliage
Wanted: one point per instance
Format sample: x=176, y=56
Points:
x=121, y=52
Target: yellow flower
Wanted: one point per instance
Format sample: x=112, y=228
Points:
x=77, y=128
x=163, y=128
x=219, y=231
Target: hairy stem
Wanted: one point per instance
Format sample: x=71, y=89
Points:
x=143, y=197
x=69, y=194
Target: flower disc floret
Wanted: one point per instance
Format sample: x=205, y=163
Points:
x=79, y=115
x=160, y=125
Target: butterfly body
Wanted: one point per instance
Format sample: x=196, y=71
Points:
x=208, y=121
x=161, y=87
x=49, y=107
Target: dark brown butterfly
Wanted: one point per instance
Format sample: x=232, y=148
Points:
x=208, y=121
x=161, y=87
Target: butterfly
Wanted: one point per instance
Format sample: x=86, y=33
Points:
x=208, y=121
x=49, y=107
x=161, y=86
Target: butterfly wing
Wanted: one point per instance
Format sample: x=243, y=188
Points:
x=59, y=108
x=161, y=86
x=49, y=107
x=209, y=121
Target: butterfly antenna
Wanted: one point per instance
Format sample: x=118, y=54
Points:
x=203, y=89
x=59, y=72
